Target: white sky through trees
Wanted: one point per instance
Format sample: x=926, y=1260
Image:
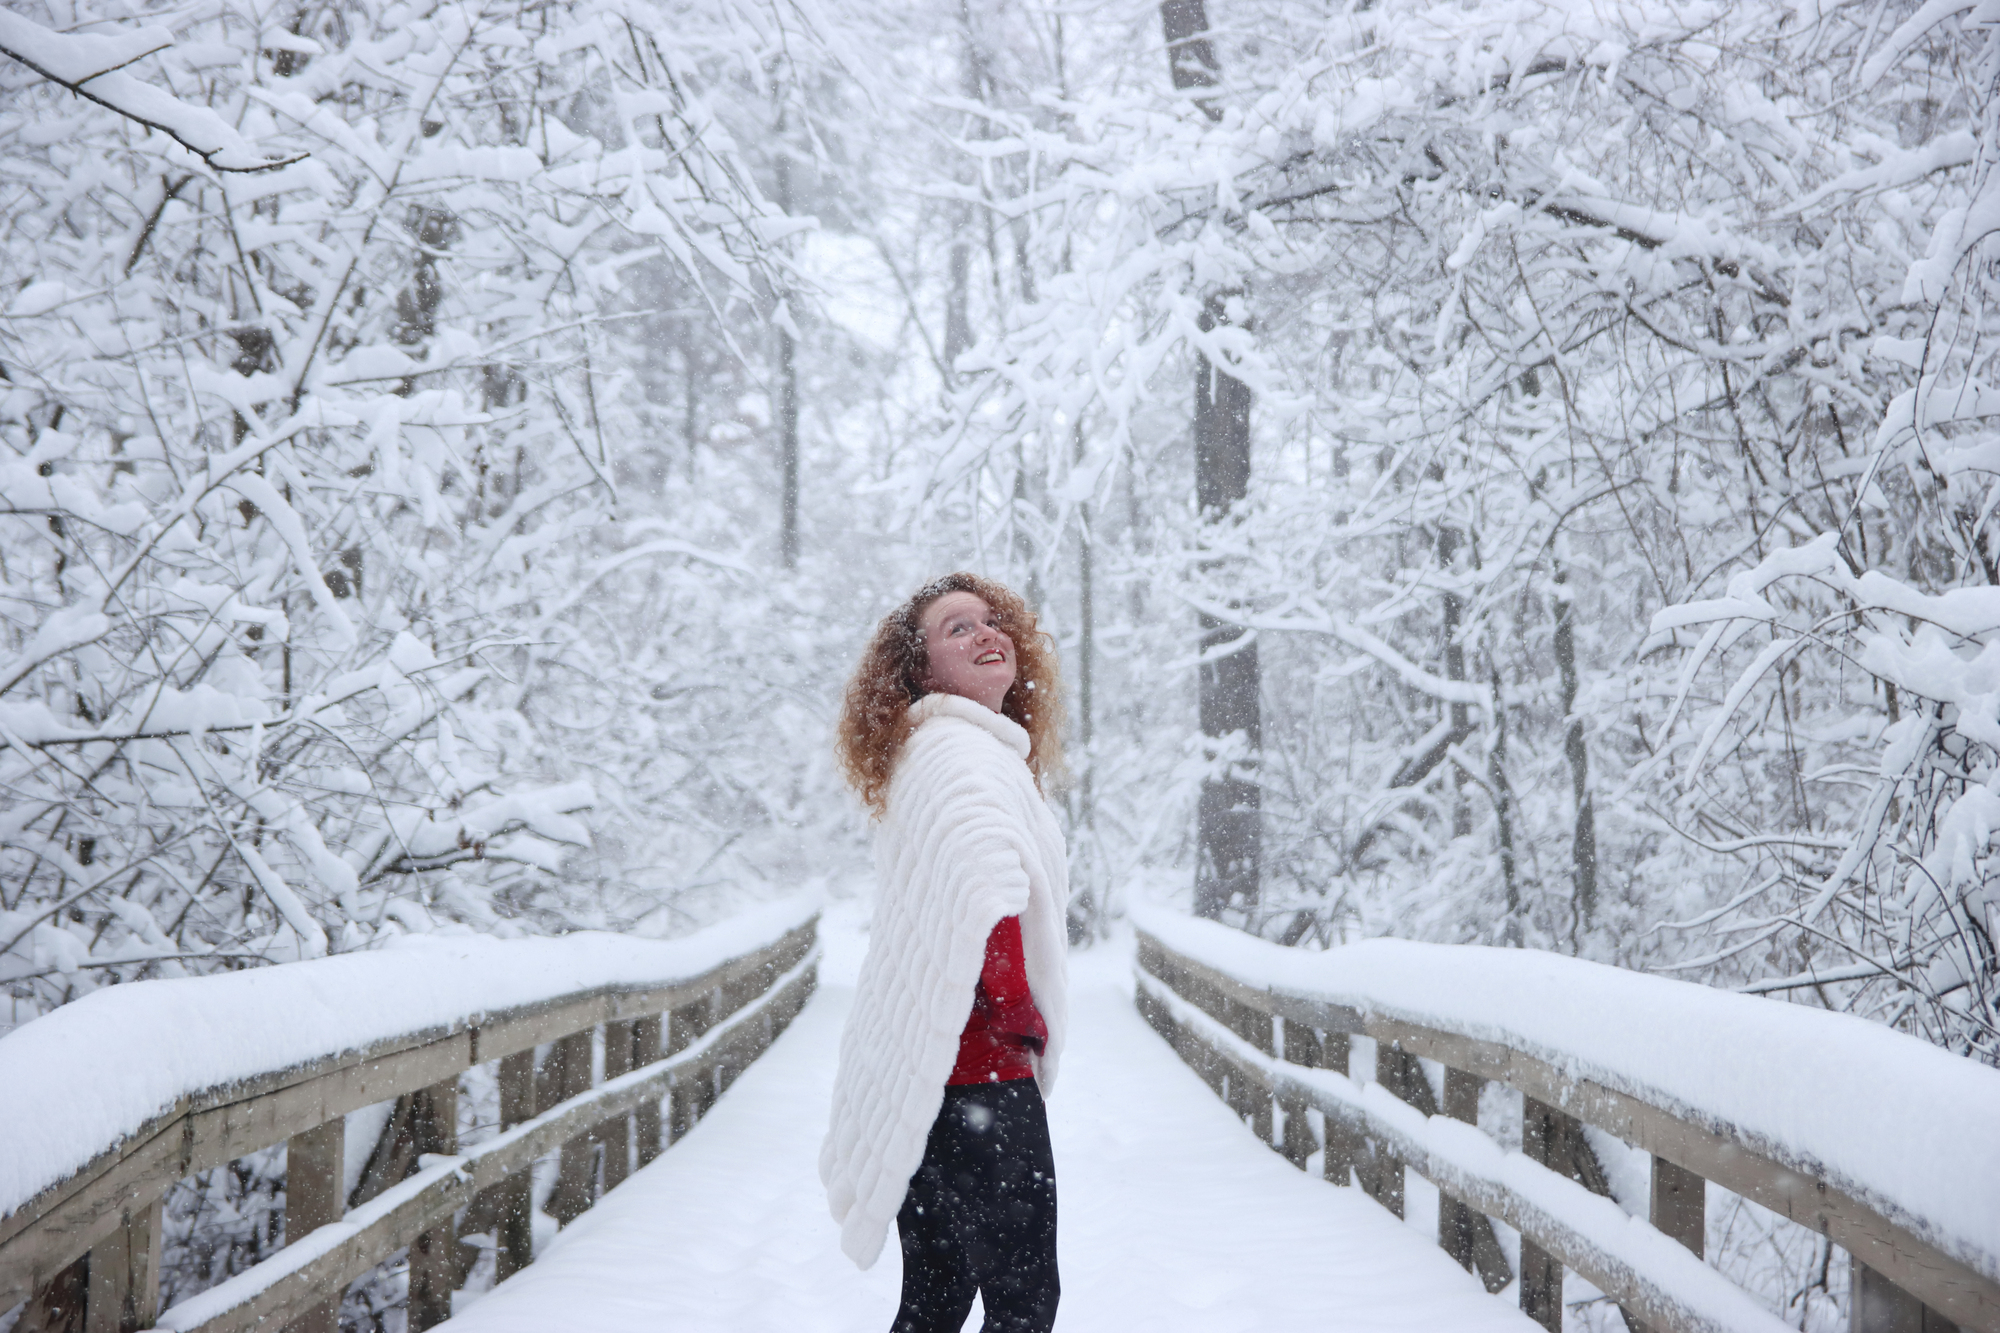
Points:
x=389, y=537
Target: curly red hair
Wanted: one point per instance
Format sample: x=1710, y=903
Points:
x=875, y=716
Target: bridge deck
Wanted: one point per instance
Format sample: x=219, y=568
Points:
x=1173, y=1217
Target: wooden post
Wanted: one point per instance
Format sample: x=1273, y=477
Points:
x=646, y=1034
x=733, y=1057
x=1679, y=1210
x=122, y=1277
x=313, y=1163
x=616, y=1133
x=1542, y=1138
x=1877, y=1305
x=1466, y=1233
x=1680, y=1204
x=1301, y=1046
x=513, y=1203
x=687, y=1024
x=1296, y=1143
x=1381, y=1175
x=1461, y=1102
x=1402, y=1077
x=680, y=1109
x=689, y=1098
x=567, y=1075
x=434, y=1267
x=58, y=1305
x=1541, y=1286
x=1344, y=1147
x=1255, y=1027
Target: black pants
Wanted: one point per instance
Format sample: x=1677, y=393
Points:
x=981, y=1215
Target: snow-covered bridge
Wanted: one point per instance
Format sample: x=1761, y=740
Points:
x=527, y=1080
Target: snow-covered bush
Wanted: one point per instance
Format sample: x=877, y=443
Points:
x=306, y=465
x=1893, y=910
x=326, y=617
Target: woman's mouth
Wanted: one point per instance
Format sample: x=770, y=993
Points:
x=989, y=658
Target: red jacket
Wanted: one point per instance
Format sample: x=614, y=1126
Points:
x=1005, y=1025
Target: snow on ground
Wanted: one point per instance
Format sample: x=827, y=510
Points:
x=1172, y=1216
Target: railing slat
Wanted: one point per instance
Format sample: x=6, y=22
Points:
x=1678, y=1209
x=615, y=1134
x=313, y=1162
x=1544, y=1140
x=58, y=1305
x=646, y=1121
x=69, y=1227
x=1301, y=1046
x=1679, y=1206
x=513, y=1206
x=434, y=1266
x=124, y=1275
x=566, y=1074
x=1466, y=1234
x=1541, y=1286
x=1876, y=1305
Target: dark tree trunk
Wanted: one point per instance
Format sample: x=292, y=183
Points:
x=1229, y=819
x=788, y=408
x=1583, y=845
x=1086, y=915
x=1450, y=539
x=434, y=230
x=1229, y=828
x=1190, y=55
x=957, y=325
x=1086, y=636
x=1503, y=813
x=690, y=405
x=1026, y=557
x=958, y=291
x=788, y=449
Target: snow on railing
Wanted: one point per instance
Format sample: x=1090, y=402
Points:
x=1888, y=1146
x=108, y=1102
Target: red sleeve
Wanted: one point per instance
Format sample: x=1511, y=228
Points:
x=1003, y=984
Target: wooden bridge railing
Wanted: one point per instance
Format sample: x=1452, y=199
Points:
x=1271, y=1052
x=85, y=1252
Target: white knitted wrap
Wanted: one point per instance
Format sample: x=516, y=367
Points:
x=967, y=841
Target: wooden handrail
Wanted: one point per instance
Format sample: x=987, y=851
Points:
x=113, y=1202
x=329, y=1259
x=1731, y=1158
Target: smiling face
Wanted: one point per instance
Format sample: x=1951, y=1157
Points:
x=969, y=654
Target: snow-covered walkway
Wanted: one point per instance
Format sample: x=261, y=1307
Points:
x=1173, y=1217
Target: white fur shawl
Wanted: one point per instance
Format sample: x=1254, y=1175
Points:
x=967, y=841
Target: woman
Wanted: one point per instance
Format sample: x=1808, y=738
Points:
x=950, y=724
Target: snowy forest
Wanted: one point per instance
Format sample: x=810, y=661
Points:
x=1520, y=472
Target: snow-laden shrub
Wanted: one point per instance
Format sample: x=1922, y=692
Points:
x=1895, y=912
x=305, y=465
